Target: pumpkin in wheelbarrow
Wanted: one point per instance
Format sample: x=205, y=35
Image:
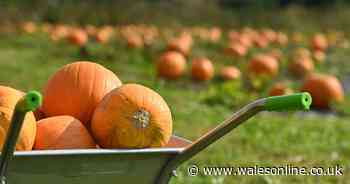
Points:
x=76, y=89
x=8, y=99
x=62, y=132
x=132, y=116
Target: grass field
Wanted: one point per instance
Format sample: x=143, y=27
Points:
x=269, y=139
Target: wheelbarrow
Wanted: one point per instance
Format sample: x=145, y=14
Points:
x=110, y=166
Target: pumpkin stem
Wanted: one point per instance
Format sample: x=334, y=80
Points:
x=141, y=118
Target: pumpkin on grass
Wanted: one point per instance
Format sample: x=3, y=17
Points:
x=171, y=65
x=319, y=42
x=134, y=41
x=282, y=38
x=182, y=44
x=324, y=89
x=280, y=88
x=29, y=27
x=263, y=65
x=78, y=37
x=230, y=73
x=202, y=69
x=76, y=89
x=236, y=50
x=300, y=67
x=8, y=100
x=132, y=116
x=62, y=132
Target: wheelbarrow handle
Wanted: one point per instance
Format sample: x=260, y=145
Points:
x=29, y=102
x=298, y=101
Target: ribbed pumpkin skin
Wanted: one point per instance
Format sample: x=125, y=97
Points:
x=62, y=132
x=76, y=89
x=8, y=99
x=114, y=125
x=324, y=89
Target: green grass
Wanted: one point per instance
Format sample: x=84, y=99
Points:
x=269, y=139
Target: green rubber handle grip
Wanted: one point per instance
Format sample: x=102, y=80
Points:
x=31, y=101
x=298, y=101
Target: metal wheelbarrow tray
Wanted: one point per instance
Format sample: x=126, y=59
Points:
x=110, y=166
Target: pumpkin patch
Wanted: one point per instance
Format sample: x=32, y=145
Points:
x=123, y=82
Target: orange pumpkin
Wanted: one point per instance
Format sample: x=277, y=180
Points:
x=91, y=30
x=202, y=69
x=78, y=37
x=182, y=44
x=76, y=89
x=62, y=132
x=280, y=88
x=324, y=90
x=29, y=27
x=236, y=49
x=59, y=32
x=263, y=64
x=261, y=42
x=132, y=116
x=269, y=34
x=319, y=42
x=300, y=67
x=233, y=35
x=8, y=100
x=103, y=36
x=134, y=41
x=215, y=34
x=230, y=73
x=245, y=40
x=171, y=65
x=281, y=39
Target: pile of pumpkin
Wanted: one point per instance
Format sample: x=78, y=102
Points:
x=86, y=106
